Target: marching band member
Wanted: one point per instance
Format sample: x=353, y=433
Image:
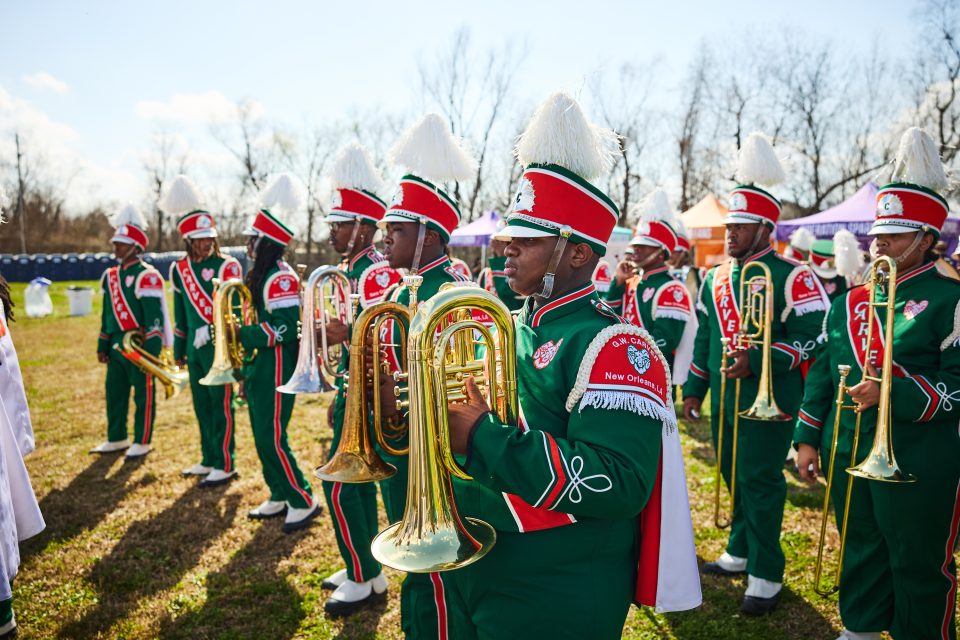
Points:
x=682, y=269
x=353, y=506
x=493, y=279
x=133, y=299
x=899, y=572
x=191, y=279
x=564, y=487
x=835, y=273
x=417, y=227
x=274, y=287
x=801, y=242
x=799, y=304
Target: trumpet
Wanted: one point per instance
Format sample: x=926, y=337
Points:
x=431, y=536
x=173, y=378
x=356, y=460
x=756, y=328
x=229, y=356
x=880, y=464
x=316, y=369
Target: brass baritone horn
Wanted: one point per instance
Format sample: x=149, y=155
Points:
x=317, y=369
x=232, y=308
x=431, y=536
x=173, y=378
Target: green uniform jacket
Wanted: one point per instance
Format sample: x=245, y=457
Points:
x=799, y=307
x=192, y=284
x=276, y=327
x=493, y=280
x=835, y=287
x=136, y=302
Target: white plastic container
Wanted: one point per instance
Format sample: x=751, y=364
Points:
x=81, y=300
x=37, y=298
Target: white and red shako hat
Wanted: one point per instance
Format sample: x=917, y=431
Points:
x=197, y=224
x=657, y=220
x=432, y=155
x=912, y=202
x=285, y=193
x=561, y=151
x=355, y=183
x=130, y=227
x=183, y=199
x=758, y=165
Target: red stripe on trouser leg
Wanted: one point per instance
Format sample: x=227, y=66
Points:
x=227, y=400
x=648, y=566
x=948, y=555
x=345, y=530
x=147, y=418
x=439, y=598
x=277, y=428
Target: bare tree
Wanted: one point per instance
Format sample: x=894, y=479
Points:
x=21, y=191
x=252, y=144
x=160, y=164
x=937, y=74
x=694, y=176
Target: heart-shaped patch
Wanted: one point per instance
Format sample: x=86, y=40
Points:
x=913, y=308
x=207, y=274
x=129, y=280
x=383, y=278
x=647, y=294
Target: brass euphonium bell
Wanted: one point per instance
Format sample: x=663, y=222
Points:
x=229, y=355
x=173, y=378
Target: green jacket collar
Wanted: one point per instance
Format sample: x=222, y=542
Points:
x=562, y=306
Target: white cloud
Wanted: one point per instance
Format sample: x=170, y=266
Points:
x=203, y=108
x=45, y=81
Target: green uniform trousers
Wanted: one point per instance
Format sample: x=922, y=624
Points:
x=213, y=406
x=121, y=375
x=353, y=510
x=899, y=572
x=270, y=412
x=568, y=582
x=423, y=596
x=760, y=492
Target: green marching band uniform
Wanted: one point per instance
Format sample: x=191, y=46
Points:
x=193, y=290
x=898, y=572
x=823, y=264
x=493, y=280
x=799, y=305
x=274, y=338
x=353, y=506
x=587, y=492
x=133, y=300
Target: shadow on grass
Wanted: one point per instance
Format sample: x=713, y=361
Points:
x=73, y=509
x=152, y=556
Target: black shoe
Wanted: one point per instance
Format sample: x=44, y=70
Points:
x=753, y=606
x=338, y=609
x=714, y=569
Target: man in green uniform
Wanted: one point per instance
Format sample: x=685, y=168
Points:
x=798, y=308
x=823, y=264
x=595, y=441
x=132, y=301
x=492, y=277
x=191, y=279
x=353, y=506
x=274, y=287
x=899, y=573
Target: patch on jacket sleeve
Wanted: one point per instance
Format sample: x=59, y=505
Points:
x=672, y=300
x=375, y=281
x=230, y=269
x=280, y=290
x=149, y=284
x=804, y=293
x=623, y=369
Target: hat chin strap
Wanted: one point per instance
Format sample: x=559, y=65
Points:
x=421, y=233
x=917, y=239
x=353, y=236
x=546, y=290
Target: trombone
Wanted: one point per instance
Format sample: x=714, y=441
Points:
x=317, y=369
x=431, y=536
x=880, y=464
x=229, y=356
x=756, y=328
x=173, y=378
x=355, y=459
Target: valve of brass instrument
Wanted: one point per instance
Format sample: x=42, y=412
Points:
x=398, y=391
x=457, y=376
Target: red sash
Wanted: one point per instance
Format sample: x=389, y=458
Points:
x=725, y=301
x=200, y=299
x=858, y=305
x=121, y=308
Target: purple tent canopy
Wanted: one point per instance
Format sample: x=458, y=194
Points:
x=477, y=233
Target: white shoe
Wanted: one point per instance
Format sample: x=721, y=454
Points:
x=218, y=477
x=138, y=450
x=197, y=470
x=351, y=596
x=268, y=509
x=110, y=447
x=10, y=626
x=853, y=635
x=334, y=580
x=300, y=518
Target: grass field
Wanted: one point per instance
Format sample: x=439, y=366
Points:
x=137, y=551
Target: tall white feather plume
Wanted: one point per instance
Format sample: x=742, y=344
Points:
x=353, y=170
x=656, y=206
x=429, y=151
x=918, y=161
x=559, y=133
x=285, y=192
x=802, y=239
x=847, y=254
x=681, y=228
x=4, y=199
x=130, y=215
x=758, y=162
x=182, y=196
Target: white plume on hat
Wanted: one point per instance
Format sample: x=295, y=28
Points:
x=847, y=255
x=918, y=161
x=802, y=239
x=130, y=215
x=353, y=170
x=429, y=151
x=559, y=133
x=4, y=199
x=681, y=228
x=656, y=207
x=758, y=162
x=181, y=197
x=285, y=192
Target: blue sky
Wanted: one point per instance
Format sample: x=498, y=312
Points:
x=90, y=81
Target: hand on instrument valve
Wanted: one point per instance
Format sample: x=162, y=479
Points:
x=739, y=366
x=336, y=332
x=808, y=462
x=866, y=393
x=182, y=362
x=625, y=271
x=103, y=357
x=464, y=415
x=691, y=409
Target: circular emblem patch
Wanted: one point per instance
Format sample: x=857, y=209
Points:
x=203, y=222
x=890, y=205
x=525, y=196
x=738, y=202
